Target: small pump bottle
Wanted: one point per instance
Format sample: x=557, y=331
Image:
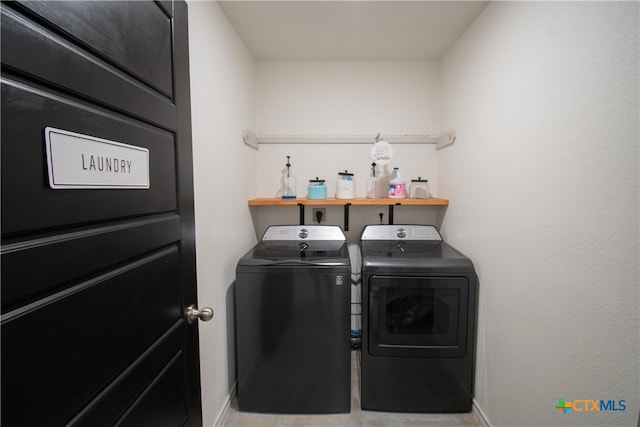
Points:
x=289, y=183
x=372, y=183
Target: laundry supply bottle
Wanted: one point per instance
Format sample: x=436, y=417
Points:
x=289, y=183
x=397, y=186
x=372, y=183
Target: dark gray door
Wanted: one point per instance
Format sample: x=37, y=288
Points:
x=95, y=281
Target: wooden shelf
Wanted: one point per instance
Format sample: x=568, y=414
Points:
x=358, y=201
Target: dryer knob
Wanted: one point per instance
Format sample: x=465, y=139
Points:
x=401, y=233
x=304, y=233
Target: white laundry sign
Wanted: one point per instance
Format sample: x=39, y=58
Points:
x=78, y=161
x=381, y=152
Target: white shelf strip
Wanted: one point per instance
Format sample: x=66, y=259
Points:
x=345, y=139
x=447, y=138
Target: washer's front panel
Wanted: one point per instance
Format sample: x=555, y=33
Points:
x=293, y=339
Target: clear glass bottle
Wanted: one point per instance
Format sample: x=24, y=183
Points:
x=289, y=183
x=372, y=183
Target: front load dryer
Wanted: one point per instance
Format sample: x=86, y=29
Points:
x=419, y=321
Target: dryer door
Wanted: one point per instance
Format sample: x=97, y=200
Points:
x=418, y=316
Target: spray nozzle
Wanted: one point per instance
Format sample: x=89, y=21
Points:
x=288, y=165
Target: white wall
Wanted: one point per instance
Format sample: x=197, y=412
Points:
x=344, y=98
x=544, y=187
x=222, y=104
x=347, y=98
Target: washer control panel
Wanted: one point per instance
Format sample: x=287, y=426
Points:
x=401, y=232
x=304, y=232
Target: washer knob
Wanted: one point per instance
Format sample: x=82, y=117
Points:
x=304, y=233
x=401, y=233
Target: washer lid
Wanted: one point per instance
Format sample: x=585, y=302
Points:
x=302, y=254
x=424, y=233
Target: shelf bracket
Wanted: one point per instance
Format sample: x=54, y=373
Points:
x=346, y=216
x=391, y=212
x=301, y=205
x=446, y=139
x=249, y=138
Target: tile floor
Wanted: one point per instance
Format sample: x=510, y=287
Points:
x=357, y=417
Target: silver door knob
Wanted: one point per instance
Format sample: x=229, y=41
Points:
x=192, y=314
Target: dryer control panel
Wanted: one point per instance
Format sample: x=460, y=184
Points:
x=401, y=232
x=304, y=232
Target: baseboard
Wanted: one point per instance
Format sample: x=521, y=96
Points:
x=479, y=415
x=224, y=413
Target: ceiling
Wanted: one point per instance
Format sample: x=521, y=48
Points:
x=350, y=30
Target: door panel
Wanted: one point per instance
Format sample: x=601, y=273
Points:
x=107, y=407
x=133, y=306
x=26, y=112
x=95, y=281
x=134, y=35
x=163, y=399
x=78, y=70
x=87, y=250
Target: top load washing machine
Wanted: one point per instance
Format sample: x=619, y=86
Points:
x=419, y=320
x=292, y=308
